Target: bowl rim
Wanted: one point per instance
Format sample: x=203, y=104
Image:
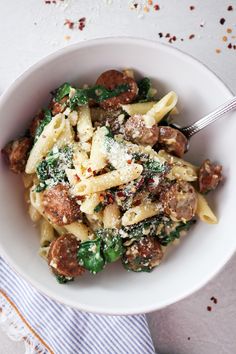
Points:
x=69, y=49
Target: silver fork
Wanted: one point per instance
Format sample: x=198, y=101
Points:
x=196, y=127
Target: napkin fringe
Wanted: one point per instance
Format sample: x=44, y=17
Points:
x=17, y=328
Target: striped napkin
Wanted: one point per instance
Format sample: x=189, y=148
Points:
x=48, y=327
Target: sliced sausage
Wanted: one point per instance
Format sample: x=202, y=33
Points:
x=16, y=153
x=210, y=175
x=111, y=79
x=137, y=131
x=180, y=201
x=143, y=255
x=62, y=256
x=35, y=123
x=172, y=140
x=59, y=206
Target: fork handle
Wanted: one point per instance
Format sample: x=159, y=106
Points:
x=194, y=128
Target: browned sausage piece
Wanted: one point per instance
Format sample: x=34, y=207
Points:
x=210, y=175
x=180, y=201
x=137, y=131
x=111, y=79
x=172, y=140
x=59, y=207
x=16, y=153
x=35, y=123
x=62, y=256
x=143, y=255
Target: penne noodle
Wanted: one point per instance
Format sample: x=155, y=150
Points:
x=46, y=233
x=79, y=230
x=45, y=142
x=108, y=180
x=111, y=216
x=161, y=108
x=139, y=213
x=204, y=211
x=84, y=124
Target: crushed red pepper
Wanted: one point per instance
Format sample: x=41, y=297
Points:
x=214, y=299
x=230, y=8
x=222, y=21
x=70, y=24
x=191, y=36
x=156, y=7
x=191, y=7
x=209, y=308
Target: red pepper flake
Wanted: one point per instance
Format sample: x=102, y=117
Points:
x=137, y=203
x=191, y=7
x=181, y=39
x=214, y=299
x=167, y=35
x=135, y=5
x=120, y=194
x=160, y=34
x=229, y=30
x=70, y=24
x=230, y=46
x=47, y=2
x=78, y=178
x=188, y=338
x=224, y=38
x=101, y=198
x=110, y=200
x=230, y=8
x=82, y=21
x=89, y=169
x=208, y=308
x=191, y=36
x=156, y=7
x=234, y=46
x=218, y=51
x=129, y=162
x=222, y=21
x=150, y=2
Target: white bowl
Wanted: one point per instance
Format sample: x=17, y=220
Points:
x=206, y=248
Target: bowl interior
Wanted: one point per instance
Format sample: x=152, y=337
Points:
x=206, y=248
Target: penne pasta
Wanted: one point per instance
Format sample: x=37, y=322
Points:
x=139, y=213
x=98, y=159
x=80, y=230
x=183, y=173
x=84, y=124
x=138, y=108
x=111, y=216
x=46, y=233
x=45, y=142
x=161, y=108
x=34, y=214
x=204, y=211
x=108, y=180
x=89, y=204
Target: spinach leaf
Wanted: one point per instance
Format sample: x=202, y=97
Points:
x=97, y=93
x=144, y=86
x=89, y=256
x=62, y=91
x=151, y=166
x=62, y=279
x=111, y=244
x=51, y=170
x=98, y=207
x=145, y=227
x=165, y=237
x=47, y=119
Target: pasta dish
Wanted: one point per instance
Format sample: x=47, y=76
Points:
x=105, y=178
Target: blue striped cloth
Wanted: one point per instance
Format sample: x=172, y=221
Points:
x=49, y=327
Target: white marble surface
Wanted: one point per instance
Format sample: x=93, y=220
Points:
x=32, y=29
